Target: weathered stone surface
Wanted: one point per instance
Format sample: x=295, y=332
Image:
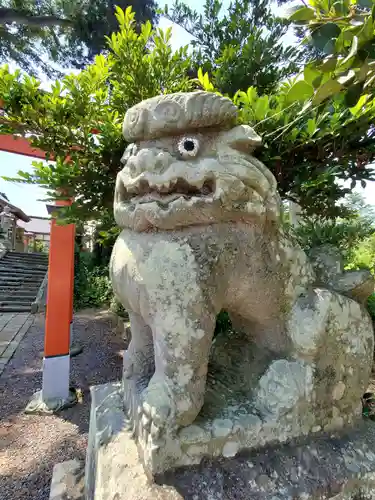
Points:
x=328, y=265
x=106, y=420
x=113, y=470
x=67, y=481
x=201, y=233
x=41, y=406
x=3, y=249
x=179, y=112
x=339, y=466
x=40, y=302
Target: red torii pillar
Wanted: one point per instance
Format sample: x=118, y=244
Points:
x=59, y=313
x=56, y=361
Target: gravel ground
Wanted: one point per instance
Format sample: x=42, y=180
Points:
x=31, y=445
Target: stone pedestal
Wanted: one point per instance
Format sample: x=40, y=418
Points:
x=340, y=466
x=251, y=401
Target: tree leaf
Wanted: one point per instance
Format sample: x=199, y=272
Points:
x=363, y=72
x=329, y=64
x=324, y=33
x=361, y=102
x=353, y=94
x=300, y=91
x=311, y=126
x=252, y=94
x=261, y=107
x=329, y=47
x=353, y=50
x=341, y=7
x=311, y=73
x=302, y=14
x=346, y=78
x=120, y=15
x=326, y=90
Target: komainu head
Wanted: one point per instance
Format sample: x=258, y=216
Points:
x=190, y=164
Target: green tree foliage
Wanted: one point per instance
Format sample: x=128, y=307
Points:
x=92, y=286
x=364, y=255
x=357, y=204
x=82, y=115
x=67, y=32
x=354, y=235
x=342, y=32
x=318, y=126
x=240, y=47
x=344, y=234
x=371, y=306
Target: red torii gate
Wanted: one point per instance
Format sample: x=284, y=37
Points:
x=59, y=313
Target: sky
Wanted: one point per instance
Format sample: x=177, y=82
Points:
x=28, y=197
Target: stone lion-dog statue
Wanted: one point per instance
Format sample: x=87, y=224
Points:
x=201, y=233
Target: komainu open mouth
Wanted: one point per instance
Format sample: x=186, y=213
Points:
x=144, y=192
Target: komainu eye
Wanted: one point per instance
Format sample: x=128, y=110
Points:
x=188, y=147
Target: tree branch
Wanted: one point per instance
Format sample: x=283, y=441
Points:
x=24, y=17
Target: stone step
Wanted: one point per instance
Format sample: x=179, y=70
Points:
x=17, y=271
x=26, y=265
x=26, y=261
x=17, y=263
x=20, y=301
x=11, y=303
x=16, y=295
x=23, y=265
x=6, y=296
x=21, y=290
x=25, y=256
x=16, y=267
x=25, y=284
x=15, y=289
x=22, y=272
x=6, y=282
x=10, y=268
x=19, y=285
x=21, y=277
x=37, y=255
x=15, y=308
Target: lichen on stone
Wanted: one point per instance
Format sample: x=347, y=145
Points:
x=201, y=233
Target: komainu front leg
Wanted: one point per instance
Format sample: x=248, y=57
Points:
x=176, y=391
x=139, y=357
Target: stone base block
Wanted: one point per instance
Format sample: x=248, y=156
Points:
x=340, y=466
x=67, y=481
x=113, y=469
x=42, y=406
x=224, y=427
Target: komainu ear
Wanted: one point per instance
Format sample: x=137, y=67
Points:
x=243, y=138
